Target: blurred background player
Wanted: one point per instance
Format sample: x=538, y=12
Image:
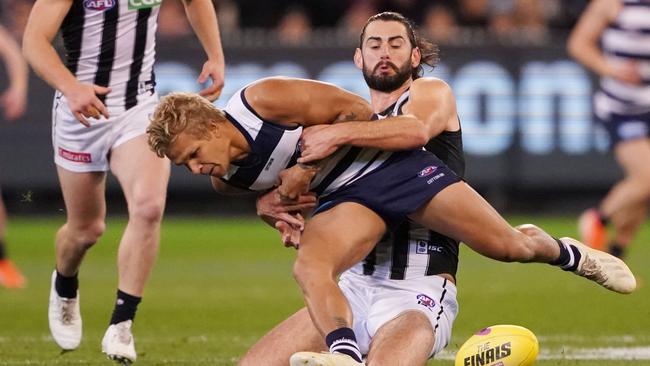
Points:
x=105, y=93
x=12, y=101
x=622, y=105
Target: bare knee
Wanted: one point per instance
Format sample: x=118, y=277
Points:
x=307, y=271
x=148, y=210
x=248, y=360
x=85, y=234
x=411, y=332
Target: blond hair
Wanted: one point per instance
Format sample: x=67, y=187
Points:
x=181, y=112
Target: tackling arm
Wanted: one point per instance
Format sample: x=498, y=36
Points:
x=430, y=110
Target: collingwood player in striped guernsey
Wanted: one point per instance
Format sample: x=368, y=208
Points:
x=364, y=190
x=612, y=38
x=104, y=97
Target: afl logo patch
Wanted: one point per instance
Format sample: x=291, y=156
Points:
x=426, y=301
x=99, y=5
x=427, y=171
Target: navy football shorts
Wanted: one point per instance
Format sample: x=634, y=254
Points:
x=403, y=184
x=626, y=127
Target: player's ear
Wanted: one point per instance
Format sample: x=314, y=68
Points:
x=214, y=128
x=416, y=57
x=358, y=58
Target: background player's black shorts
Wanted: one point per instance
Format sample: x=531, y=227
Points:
x=626, y=127
x=403, y=184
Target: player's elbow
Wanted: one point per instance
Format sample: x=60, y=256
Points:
x=420, y=137
x=30, y=47
x=575, y=47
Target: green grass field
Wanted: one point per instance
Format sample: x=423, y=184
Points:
x=219, y=284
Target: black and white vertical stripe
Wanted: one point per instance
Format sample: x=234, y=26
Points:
x=411, y=251
x=113, y=48
x=441, y=302
x=626, y=39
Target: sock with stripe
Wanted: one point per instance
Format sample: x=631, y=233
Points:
x=603, y=219
x=344, y=341
x=125, y=307
x=616, y=250
x=3, y=253
x=569, y=256
x=66, y=286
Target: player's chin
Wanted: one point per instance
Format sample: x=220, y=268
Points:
x=216, y=172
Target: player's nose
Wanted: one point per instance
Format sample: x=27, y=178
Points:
x=194, y=167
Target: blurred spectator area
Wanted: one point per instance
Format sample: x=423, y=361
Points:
x=300, y=23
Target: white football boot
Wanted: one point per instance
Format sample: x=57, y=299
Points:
x=64, y=318
x=603, y=268
x=118, y=343
x=322, y=359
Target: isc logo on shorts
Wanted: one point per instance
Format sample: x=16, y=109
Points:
x=143, y=4
x=99, y=5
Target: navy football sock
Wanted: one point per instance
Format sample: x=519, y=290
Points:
x=569, y=256
x=344, y=341
x=66, y=286
x=616, y=250
x=125, y=307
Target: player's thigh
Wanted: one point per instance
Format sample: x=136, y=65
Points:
x=634, y=155
x=83, y=194
x=295, y=334
x=141, y=173
x=341, y=236
x=406, y=340
x=459, y=212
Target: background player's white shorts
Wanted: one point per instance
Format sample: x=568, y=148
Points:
x=376, y=301
x=86, y=149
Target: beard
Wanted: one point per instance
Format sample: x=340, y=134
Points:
x=387, y=83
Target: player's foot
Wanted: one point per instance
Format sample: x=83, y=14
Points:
x=118, y=343
x=591, y=228
x=603, y=268
x=322, y=359
x=10, y=276
x=65, y=319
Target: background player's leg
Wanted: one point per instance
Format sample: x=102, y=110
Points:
x=10, y=276
x=332, y=242
x=296, y=333
x=626, y=203
x=144, y=182
x=406, y=341
x=459, y=212
x=143, y=177
x=83, y=194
